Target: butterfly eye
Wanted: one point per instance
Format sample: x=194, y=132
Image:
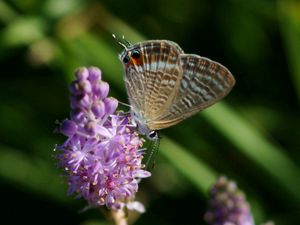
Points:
x=135, y=54
x=153, y=135
x=126, y=59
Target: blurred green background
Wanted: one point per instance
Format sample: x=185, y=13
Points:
x=253, y=136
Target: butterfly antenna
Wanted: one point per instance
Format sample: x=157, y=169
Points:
x=154, y=150
x=126, y=41
x=124, y=45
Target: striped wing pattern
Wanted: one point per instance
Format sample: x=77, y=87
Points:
x=162, y=77
x=152, y=81
x=204, y=82
x=165, y=86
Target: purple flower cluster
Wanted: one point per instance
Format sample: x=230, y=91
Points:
x=101, y=156
x=228, y=205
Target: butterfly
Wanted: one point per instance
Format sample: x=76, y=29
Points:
x=165, y=85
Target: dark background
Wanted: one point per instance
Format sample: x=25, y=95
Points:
x=252, y=136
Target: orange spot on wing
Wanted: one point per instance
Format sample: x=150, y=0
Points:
x=138, y=61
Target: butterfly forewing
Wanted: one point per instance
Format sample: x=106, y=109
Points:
x=153, y=79
x=163, y=70
x=203, y=83
x=134, y=88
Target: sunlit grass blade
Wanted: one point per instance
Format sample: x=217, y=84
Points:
x=197, y=171
x=251, y=142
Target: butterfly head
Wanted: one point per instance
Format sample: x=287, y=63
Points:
x=131, y=53
x=132, y=56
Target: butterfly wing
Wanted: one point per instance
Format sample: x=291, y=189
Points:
x=134, y=86
x=203, y=83
x=152, y=80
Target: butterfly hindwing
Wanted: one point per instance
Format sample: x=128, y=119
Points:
x=203, y=83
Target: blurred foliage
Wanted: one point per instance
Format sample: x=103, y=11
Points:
x=252, y=136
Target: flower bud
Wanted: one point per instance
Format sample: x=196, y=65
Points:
x=68, y=127
x=81, y=74
x=98, y=108
x=111, y=105
x=94, y=74
x=101, y=89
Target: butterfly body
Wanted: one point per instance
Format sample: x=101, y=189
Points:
x=165, y=85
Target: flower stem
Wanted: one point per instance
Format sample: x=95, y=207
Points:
x=119, y=217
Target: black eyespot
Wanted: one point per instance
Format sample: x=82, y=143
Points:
x=135, y=54
x=126, y=59
x=152, y=135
